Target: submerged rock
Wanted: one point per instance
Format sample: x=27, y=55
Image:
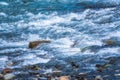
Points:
x=34, y=44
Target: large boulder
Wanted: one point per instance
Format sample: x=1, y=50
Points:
x=34, y=44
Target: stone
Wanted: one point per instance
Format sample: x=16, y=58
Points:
x=7, y=70
x=64, y=78
x=98, y=77
x=74, y=65
x=1, y=77
x=110, y=42
x=34, y=44
x=34, y=67
x=9, y=76
x=83, y=74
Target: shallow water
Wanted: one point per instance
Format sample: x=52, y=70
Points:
x=63, y=22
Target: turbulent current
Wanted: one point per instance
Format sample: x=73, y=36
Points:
x=64, y=23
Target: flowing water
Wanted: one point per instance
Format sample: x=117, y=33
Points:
x=63, y=22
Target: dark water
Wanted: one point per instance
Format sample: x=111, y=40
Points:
x=88, y=22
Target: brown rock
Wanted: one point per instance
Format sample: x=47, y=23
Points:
x=7, y=70
x=64, y=78
x=110, y=42
x=34, y=44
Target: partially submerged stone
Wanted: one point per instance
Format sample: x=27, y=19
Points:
x=98, y=77
x=34, y=67
x=100, y=67
x=110, y=42
x=64, y=78
x=9, y=76
x=74, y=65
x=34, y=44
x=113, y=41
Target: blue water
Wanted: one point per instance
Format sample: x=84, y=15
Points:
x=63, y=22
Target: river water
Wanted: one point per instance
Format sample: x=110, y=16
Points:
x=63, y=22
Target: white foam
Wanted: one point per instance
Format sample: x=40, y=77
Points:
x=33, y=37
x=35, y=60
x=4, y=3
x=3, y=14
x=109, y=50
x=3, y=60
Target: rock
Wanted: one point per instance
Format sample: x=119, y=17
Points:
x=110, y=42
x=6, y=70
x=74, y=65
x=113, y=41
x=98, y=78
x=9, y=76
x=83, y=74
x=34, y=67
x=100, y=67
x=1, y=77
x=34, y=44
x=64, y=78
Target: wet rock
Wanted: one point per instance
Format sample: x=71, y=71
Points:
x=64, y=78
x=98, y=78
x=6, y=70
x=9, y=76
x=100, y=67
x=1, y=77
x=113, y=41
x=83, y=74
x=74, y=65
x=34, y=44
x=109, y=42
x=34, y=67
